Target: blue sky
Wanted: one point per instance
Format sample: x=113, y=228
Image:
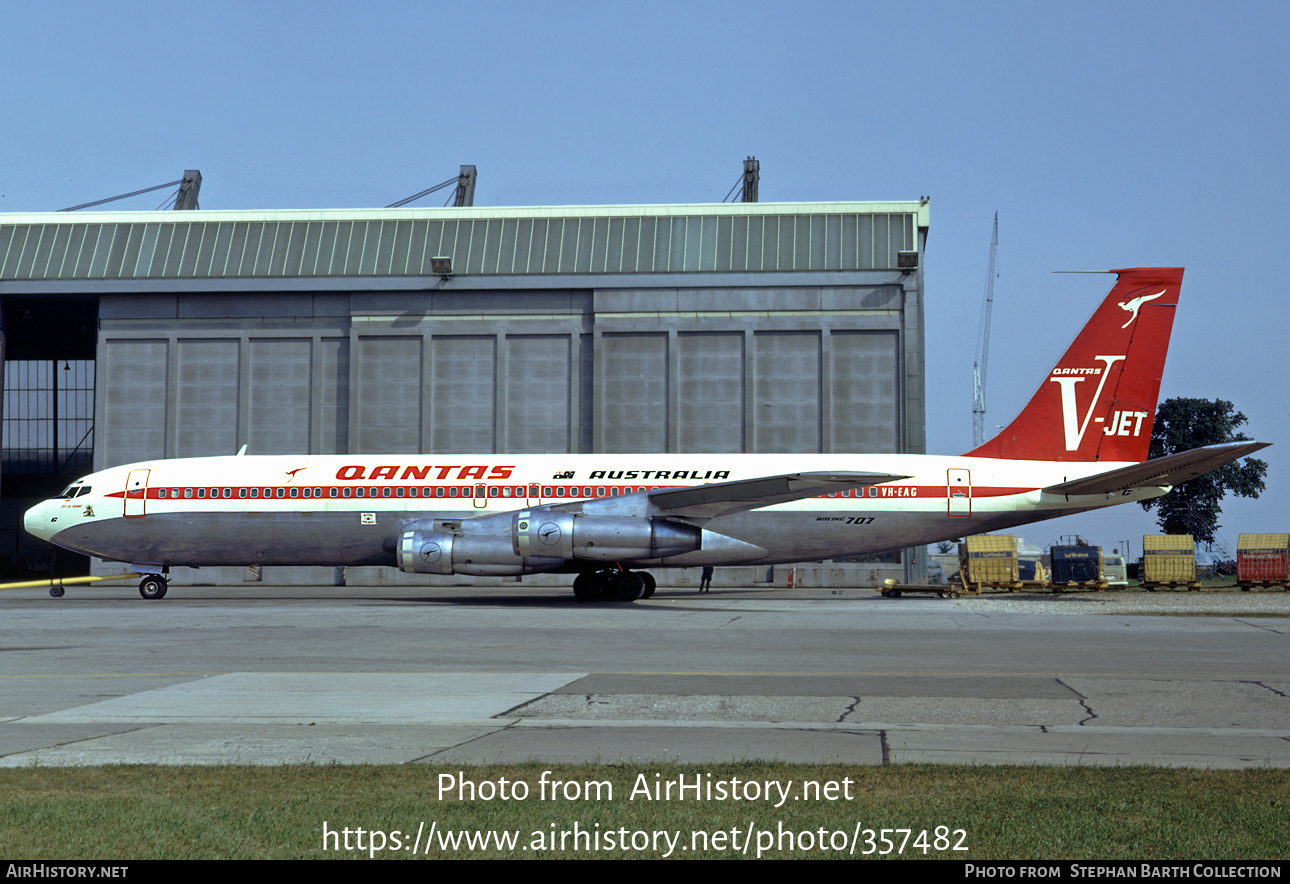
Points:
x=1105, y=135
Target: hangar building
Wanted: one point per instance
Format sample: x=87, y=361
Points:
x=746, y=327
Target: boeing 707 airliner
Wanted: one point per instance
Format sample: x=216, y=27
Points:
x=1081, y=443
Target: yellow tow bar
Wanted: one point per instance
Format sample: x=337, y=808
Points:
x=56, y=584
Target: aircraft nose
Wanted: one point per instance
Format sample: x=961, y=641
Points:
x=39, y=520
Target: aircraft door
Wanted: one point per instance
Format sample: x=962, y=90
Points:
x=480, y=500
x=958, y=491
x=136, y=493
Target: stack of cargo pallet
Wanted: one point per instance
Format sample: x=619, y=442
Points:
x=989, y=561
x=1263, y=560
x=1169, y=562
x=1077, y=567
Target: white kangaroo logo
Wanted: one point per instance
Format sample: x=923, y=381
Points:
x=1135, y=304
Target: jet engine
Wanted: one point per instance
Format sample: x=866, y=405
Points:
x=601, y=538
x=543, y=540
x=434, y=552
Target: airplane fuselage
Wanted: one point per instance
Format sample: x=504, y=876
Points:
x=356, y=509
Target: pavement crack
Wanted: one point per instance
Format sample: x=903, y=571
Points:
x=855, y=701
x=1267, y=687
x=1083, y=701
x=1259, y=626
x=491, y=733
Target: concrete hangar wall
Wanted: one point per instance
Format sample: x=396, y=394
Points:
x=757, y=327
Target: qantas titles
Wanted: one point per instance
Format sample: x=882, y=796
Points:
x=355, y=472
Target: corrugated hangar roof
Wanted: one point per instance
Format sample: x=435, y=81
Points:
x=740, y=237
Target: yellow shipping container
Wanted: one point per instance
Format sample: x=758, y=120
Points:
x=1277, y=542
x=1168, y=558
x=989, y=558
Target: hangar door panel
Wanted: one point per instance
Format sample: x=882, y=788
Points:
x=280, y=397
x=711, y=392
x=538, y=377
x=463, y=391
x=206, y=400
x=133, y=379
x=389, y=394
x=786, y=392
x=864, y=386
x=633, y=410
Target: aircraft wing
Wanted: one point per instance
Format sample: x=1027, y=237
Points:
x=1172, y=470
x=703, y=502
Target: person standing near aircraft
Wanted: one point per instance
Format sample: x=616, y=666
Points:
x=705, y=582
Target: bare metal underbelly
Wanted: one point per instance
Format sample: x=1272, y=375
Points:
x=340, y=538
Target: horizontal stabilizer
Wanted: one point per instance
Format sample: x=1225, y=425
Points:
x=1172, y=470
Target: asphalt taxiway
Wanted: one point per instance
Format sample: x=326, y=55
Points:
x=215, y=675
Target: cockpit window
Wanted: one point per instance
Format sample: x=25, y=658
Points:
x=85, y=489
x=70, y=491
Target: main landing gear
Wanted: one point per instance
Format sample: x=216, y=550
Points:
x=614, y=585
x=153, y=586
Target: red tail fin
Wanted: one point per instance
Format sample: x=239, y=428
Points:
x=1099, y=401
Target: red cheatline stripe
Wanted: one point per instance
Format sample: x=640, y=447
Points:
x=571, y=492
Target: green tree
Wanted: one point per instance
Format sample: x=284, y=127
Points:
x=1193, y=507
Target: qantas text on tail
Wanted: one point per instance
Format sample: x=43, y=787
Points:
x=1080, y=443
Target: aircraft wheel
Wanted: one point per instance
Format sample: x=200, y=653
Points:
x=56, y=591
x=629, y=586
x=649, y=584
x=153, y=587
x=584, y=587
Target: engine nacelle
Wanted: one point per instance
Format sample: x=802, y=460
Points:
x=432, y=552
x=425, y=552
x=543, y=533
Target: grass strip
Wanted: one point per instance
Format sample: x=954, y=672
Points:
x=243, y=812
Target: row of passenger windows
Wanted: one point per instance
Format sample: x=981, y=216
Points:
x=449, y=491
